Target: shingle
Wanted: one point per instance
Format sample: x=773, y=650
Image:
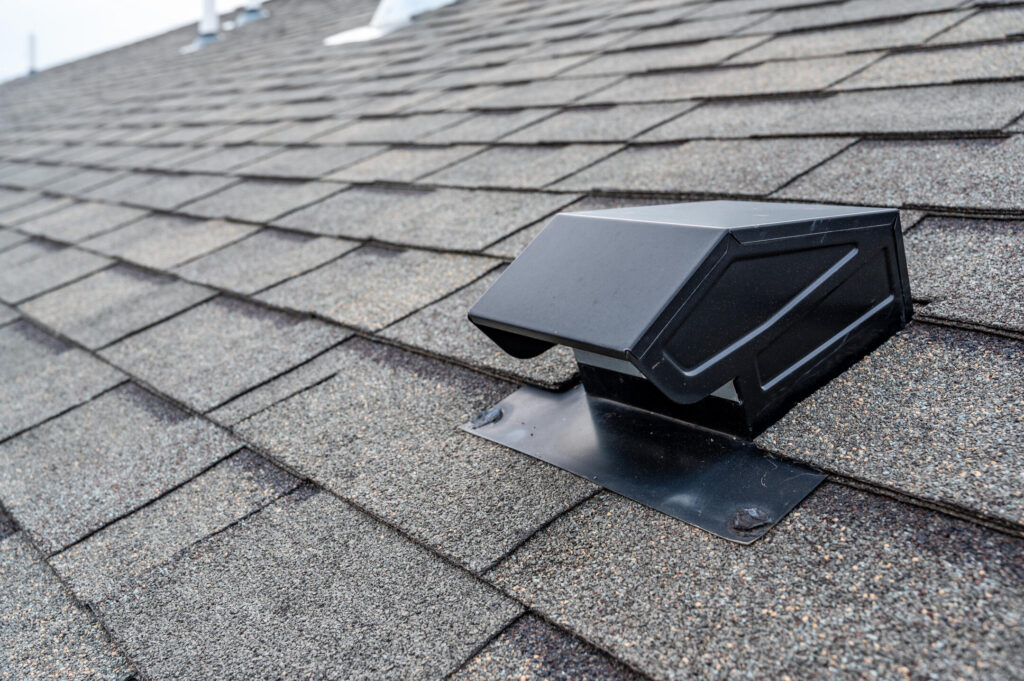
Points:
x=977, y=62
x=81, y=221
x=224, y=159
x=74, y=474
x=124, y=551
x=961, y=173
x=767, y=78
x=163, y=241
x=309, y=162
x=752, y=167
x=221, y=348
x=83, y=181
x=486, y=126
x=532, y=650
x=33, y=176
x=384, y=433
x=443, y=329
x=54, y=268
x=41, y=377
x=306, y=588
x=404, y=164
x=552, y=92
x=900, y=33
x=24, y=252
x=263, y=259
x=373, y=287
x=521, y=167
x=241, y=133
x=664, y=58
x=260, y=200
x=167, y=192
x=691, y=31
x=990, y=24
x=10, y=238
x=934, y=413
x=969, y=271
x=971, y=108
x=599, y=124
x=848, y=585
x=12, y=198
x=47, y=635
x=7, y=314
x=512, y=72
x=851, y=11
x=391, y=130
x=441, y=218
x=300, y=132
x=112, y=303
x=25, y=212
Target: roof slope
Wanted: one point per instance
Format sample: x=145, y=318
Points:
x=235, y=355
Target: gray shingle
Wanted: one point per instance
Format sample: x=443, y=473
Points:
x=767, y=78
x=977, y=62
x=753, y=167
x=82, y=181
x=443, y=329
x=110, y=304
x=338, y=590
x=163, y=241
x=991, y=24
x=164, y=192
x=27, y=211
x=440, y=218
x=7, y=314
x=81, y=221
x=391, y=130
x=848, y=12
x=848, y=585
x=521, y=167
x=74, y=474
x=404, y=164
x=664, y=58
x=263, y=259
x=552, y=92
x=599, y=124
x=972, y=108
x=49, y=270
x=32, y=176
x=300, y=132
x=532, y=650
x=691, y=31
x=969, y=271
x=260, y=200
x=961, y=173
x=384, y=433
x=900, y=33
x=40, y=377
x=215, y=351
x=934, y=412
x=124, y=551
x=373, y=287
x=47, y=635
x=308, y=162
x=12, y=198
x=9, y=238
x=486, y=126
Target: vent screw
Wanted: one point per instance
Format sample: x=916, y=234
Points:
x=486, y=417
x=750, y=519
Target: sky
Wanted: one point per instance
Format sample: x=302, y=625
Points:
x=68, y=29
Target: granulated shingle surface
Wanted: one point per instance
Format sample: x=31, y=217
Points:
x=328, y=591
x=469, y=499
x=404, y=164
x=233, y=345
x=81, y=221
x=599, y=123
x=521, y=167
x=163, y=241
x=75, y=473
x=979, y=62
x=308, y=162
x=260, y=200
x=112, y=303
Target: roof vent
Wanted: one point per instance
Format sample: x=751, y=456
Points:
x=389, y=16
x=690, y=318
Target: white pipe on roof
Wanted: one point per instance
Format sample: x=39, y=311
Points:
x=389, y=16
x=209, y=24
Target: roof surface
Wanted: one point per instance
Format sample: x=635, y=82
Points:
x=234, y=356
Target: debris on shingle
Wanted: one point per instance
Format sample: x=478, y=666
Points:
x=41, y=377
x=163, y=241
x=753, y=167
x=935, y=412
x=263, y=259
x=969, y=271
x=953, y=173
x=55, y=267
x=127, y=549
x=260, y=200
x=443, y=329
x=343, y=592
x=372, y=287
x=904, y=110
x=113, y=303
x=598, y=124
x=955, y=64
x=308, y=162
x=521, y=167
x=79, y=471
x=81, y=221
x=47, y=635
x=212, y=352
x=384, y=432
x=440, y=218
x=848, y=584
x=404, y=164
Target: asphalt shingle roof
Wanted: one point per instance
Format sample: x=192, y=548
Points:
x=234, y=357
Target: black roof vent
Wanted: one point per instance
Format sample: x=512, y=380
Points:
x=718, y=314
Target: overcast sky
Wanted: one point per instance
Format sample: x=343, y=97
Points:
x=69, y=29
